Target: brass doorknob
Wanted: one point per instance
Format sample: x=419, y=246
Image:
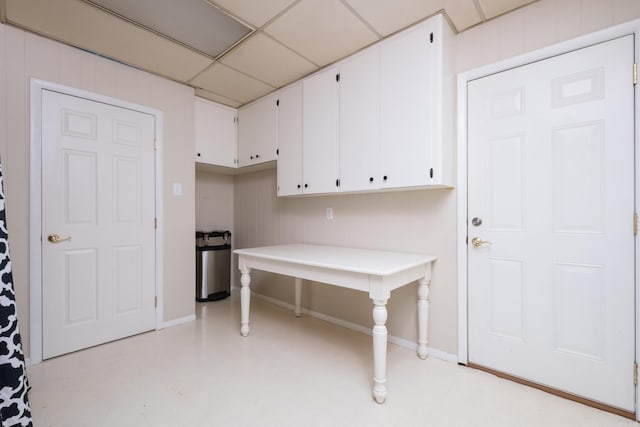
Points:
x=477, y=242
x=54, y=238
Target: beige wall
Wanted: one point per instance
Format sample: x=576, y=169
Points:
x=214, y=201
x=423, y=221
x=22, y=56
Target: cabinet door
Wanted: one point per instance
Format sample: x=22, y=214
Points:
x=290, y=141
x=320, y=132
x=215, y=133
x=257, y=132
x=359, y=142
x=405, y=75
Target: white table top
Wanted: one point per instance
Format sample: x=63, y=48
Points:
x=378, y=263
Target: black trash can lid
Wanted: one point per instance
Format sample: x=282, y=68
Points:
x=218, y=233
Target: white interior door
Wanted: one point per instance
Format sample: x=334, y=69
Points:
x=98, y=196
x=551, y=187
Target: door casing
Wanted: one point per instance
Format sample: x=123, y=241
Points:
x=632, y=27
x=35, y=204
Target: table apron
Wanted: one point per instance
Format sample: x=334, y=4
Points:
x=378, y=287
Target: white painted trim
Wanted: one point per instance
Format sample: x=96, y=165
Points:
x=35, y=203
x=411, y=345
x=178, y=321
x=631, y=27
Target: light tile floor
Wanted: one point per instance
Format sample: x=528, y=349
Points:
x=288, y=372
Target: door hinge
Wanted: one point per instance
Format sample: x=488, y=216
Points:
x=431, y=38
x=277, y=102
x=431, y=173
x=338, y=182
x=155, y=301
x=635, y=223
x=155, y=144
x=338, y=77
x=635, y=74
x=155, y=223
x=635, y=373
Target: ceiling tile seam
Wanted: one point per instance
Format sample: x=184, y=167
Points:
x=151, y=30
x=406, y=27
x=290, y=49
x=483, y=17
x=273, y=18
x=190, y=81
x=258, y=30
x=449, y=21
x=199, y=73
x=233, y=46
x=219, y=94
x=231, y=15
x=92, y=52
x=522, y=6
x=361, y=19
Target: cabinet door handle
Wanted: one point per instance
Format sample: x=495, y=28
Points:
x=257, y=156
x=251, y=157
x=299, y=186
x=384, y=178
x=198, y=154
x=306, y=186
x=371, y=179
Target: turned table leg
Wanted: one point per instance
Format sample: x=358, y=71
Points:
x=423, y=317
x=245, y=301
x=379, y=350
x=298, y=296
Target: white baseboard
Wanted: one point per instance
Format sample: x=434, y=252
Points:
x=177, y=321
x=433, y=352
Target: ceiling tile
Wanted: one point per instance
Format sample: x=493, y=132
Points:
x=256, y=13
x=321, y=30
x=232, y=84
x=80, y=24
x=387, y=17
x=493, y=8
x=192, y=22
x=463, y=13
x=217, y=98
x=267, y=60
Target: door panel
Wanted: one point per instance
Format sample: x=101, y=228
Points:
x=551, y=183
x=98, y=196
x=320, y=132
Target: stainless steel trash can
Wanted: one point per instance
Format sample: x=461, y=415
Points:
x=213, y=265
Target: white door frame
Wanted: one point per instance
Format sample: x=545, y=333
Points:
x=35, y=203
x=632, y=27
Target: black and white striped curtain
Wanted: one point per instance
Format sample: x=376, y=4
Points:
x=14, y=405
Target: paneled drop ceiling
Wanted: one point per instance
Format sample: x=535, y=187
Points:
x=235, y=51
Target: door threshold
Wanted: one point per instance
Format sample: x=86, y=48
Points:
x=556, y=392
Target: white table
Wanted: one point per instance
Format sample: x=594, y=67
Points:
x=376, y=272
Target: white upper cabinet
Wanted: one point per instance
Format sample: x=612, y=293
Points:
x=215, y=133
x=320, y=132
x=359, y=136
x=257, y=131
x=290, y=140
x=416, y=102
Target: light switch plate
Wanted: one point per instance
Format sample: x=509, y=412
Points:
x=177, y=189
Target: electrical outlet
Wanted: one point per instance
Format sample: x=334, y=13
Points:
x=329, y=213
